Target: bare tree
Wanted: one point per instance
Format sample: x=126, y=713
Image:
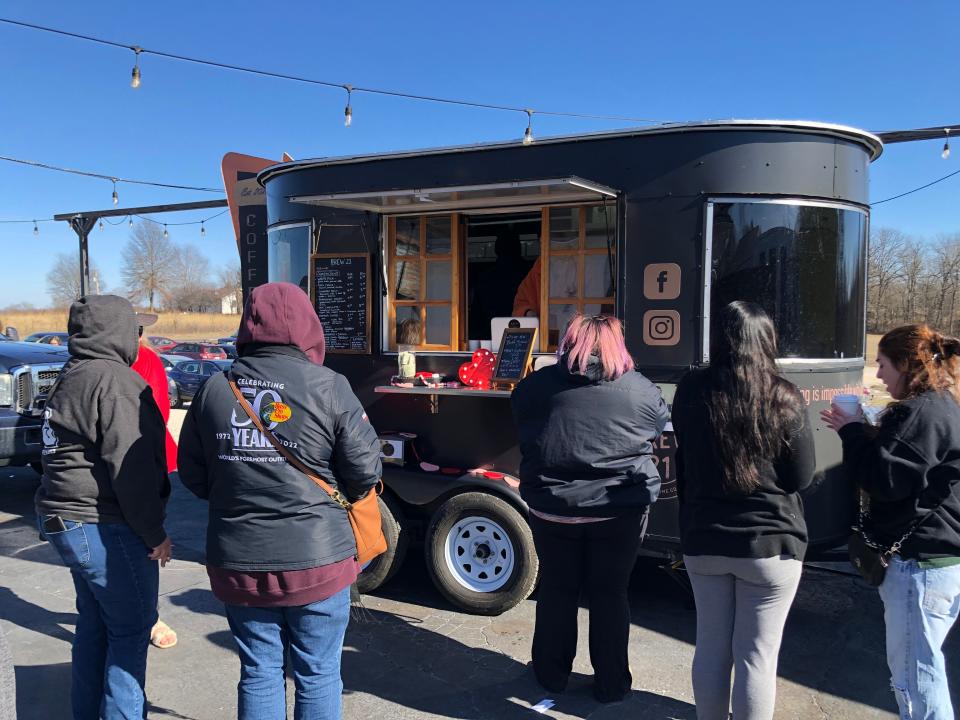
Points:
x=231, y=281
x=191, y=289
x=148, y=264
x=883, y=271
x=63, y=279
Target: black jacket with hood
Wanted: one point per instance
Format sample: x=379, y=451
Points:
x=103, y=456
x=908, y=466
x=265, y=515
x=587, y=443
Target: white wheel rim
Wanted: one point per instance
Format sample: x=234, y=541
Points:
x=479, y=554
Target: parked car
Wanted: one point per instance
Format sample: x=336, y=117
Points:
x=199, y=351
x=27, y=372
x=230, y=350
x=161, y=343
x=232, y=340
x=190, y=376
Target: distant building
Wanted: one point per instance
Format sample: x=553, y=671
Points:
x=230, y=301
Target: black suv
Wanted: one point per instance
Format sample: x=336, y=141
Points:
x=27, y=372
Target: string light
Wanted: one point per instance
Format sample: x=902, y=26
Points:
x=116, y=198
x=36, y=230
x=135, y=75
x=101, y=224
x=348, y=111
x=203, y=230
x=528, y=133
x=946, y=145
x=129, y=221
x=165, y=233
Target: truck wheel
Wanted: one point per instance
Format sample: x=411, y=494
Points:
x=480, y=553
x=385, y=566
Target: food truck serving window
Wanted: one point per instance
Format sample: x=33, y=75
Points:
x=288, y=253
x=804, y=263
x=454, y=277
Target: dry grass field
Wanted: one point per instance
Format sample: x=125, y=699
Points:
x=179, y=326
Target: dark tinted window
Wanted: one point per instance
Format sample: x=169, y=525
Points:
x=804, y=265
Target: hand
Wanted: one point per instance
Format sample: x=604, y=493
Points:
x=835, y=418
x=162, y=552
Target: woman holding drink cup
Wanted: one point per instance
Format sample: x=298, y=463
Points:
x=909, y=467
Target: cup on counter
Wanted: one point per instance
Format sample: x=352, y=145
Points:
x=847, y=404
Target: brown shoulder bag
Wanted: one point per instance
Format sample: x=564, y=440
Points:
x=364, y=514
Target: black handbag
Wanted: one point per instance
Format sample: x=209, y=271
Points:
x=870, y=558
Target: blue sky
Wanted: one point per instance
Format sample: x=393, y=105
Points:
x=878, y=66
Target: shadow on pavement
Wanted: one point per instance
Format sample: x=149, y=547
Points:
x=18, y=611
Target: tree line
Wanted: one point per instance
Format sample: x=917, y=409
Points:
x=155, y=272
x=912, y=280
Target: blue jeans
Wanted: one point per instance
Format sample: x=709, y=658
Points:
x=920, y=606
x=117, y=586
x=313, y=637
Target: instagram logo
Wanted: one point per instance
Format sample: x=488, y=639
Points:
x=661, y=327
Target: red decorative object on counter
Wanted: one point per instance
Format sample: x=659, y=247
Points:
x=479, y=370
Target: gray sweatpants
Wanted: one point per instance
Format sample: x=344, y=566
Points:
x=742, y=606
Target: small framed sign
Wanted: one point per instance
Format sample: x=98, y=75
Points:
x=513, y=361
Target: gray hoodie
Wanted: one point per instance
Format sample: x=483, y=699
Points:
x=103, y=435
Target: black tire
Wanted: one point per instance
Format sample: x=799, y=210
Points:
x=385, y=566
x=176, y=403
x=508, y=544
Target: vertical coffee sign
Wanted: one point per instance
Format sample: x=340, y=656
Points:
x=248, y=208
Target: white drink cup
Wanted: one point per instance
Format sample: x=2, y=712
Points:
x=847, y=404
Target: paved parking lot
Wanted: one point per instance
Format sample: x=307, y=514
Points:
x=412, y=656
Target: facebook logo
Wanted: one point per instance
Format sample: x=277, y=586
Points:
x=661, y=281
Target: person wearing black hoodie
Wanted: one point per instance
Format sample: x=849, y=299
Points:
x=909, y=468
x=280, y=551
x=588, y=475
x=101, y=504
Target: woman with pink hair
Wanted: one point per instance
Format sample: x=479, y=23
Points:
x=587, y=427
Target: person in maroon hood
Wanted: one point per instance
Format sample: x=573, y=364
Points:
x=280, y=552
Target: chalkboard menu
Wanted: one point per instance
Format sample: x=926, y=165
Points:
x=514, y=358
x=341, y=297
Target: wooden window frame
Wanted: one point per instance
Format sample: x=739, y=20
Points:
x=580, y=252
x=423, y=259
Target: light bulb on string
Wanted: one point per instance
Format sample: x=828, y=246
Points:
x=528, y=133
x=129, y=221
x=135, y=75
x=116, y=198
x=165, y=233
x=36, y=230
x=203, y=230
x=946, y=145
x=348, y=111
x=101, y=224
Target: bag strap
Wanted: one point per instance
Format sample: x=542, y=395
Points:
x=895, y=548
x=279, y=447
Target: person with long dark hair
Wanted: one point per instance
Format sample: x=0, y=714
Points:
x=909, y=468
x=745, y=451
x=587, y=427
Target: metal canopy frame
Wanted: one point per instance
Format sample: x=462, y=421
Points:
x=83, y=222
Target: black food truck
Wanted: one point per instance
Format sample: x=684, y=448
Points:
x=422, y=258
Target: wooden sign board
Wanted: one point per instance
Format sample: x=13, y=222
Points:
x=516, y=348
x=341, y=297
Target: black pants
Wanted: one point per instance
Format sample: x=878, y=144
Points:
x=595, y=559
